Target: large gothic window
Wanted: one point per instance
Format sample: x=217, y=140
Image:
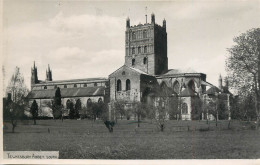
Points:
x=145, y=49
x=184, y=108
x=119, y=85
x=176, y=87
x=133, y=62
x=128, y=85
x=145, y=34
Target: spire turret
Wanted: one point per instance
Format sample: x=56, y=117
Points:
x=48, y=74
x=34, y=75
x=220, y=82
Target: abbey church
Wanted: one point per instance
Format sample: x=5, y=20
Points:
x=144, y=77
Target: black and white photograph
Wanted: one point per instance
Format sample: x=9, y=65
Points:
x=130, y=80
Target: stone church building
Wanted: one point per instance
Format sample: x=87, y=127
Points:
x=142, y=78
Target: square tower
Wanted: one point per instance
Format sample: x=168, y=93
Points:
x=146, y=47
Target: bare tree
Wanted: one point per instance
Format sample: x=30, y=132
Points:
x=120, y=108
x=17, y=92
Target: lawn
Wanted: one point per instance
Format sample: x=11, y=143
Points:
x=83, y=139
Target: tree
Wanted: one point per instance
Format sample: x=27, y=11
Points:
x=197, y=110
x=34, y=111
x=120, y=108
x=57, y=107
x=175, y=110
x=17, y=87
x=16, y=104
x=78, y=108
x=243, y=66
x=71, y=109
x=139, y=110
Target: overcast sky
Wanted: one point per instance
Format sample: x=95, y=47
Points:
x=81, y=39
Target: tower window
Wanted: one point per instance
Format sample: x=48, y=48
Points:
x=133, y=36
x=145, y=34
x=128, y=85
x=65, y=86
x=145, y=49
x=95, y=84
x=133, y=50
x=119, y=85
x=139, y=50
x=45, y=87
x=133, y=62
x=145, y=60
x=75, y=85
x=85, y=85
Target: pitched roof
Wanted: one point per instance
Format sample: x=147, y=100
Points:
x=187, y=92
x=97, y=79
x=213, y=90
x=137, y=70
x=67, y=92
x=134, y=69
x=180, y=71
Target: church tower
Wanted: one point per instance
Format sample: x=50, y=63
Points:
x=146, y=47
x=48, y=74
x=34, y=76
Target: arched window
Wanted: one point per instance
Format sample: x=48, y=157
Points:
x=75, y=85
x=100, y=100
x=85, y=85
x=95, y=84
x=45, y=87
x=133, y=36
x=145, y=49
x=176, y=87
x=145, y=34
x=128, y=85
x=119, y=85
x=65, y=86
x=133, y=62
x=89, y=102
x=145, y=60
x=133, y=50
x=184, y=108
x=139, y=50
x=191, y=85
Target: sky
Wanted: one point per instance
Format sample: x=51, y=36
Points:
x=83, y=39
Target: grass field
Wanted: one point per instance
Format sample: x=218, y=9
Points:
x=81, y=139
